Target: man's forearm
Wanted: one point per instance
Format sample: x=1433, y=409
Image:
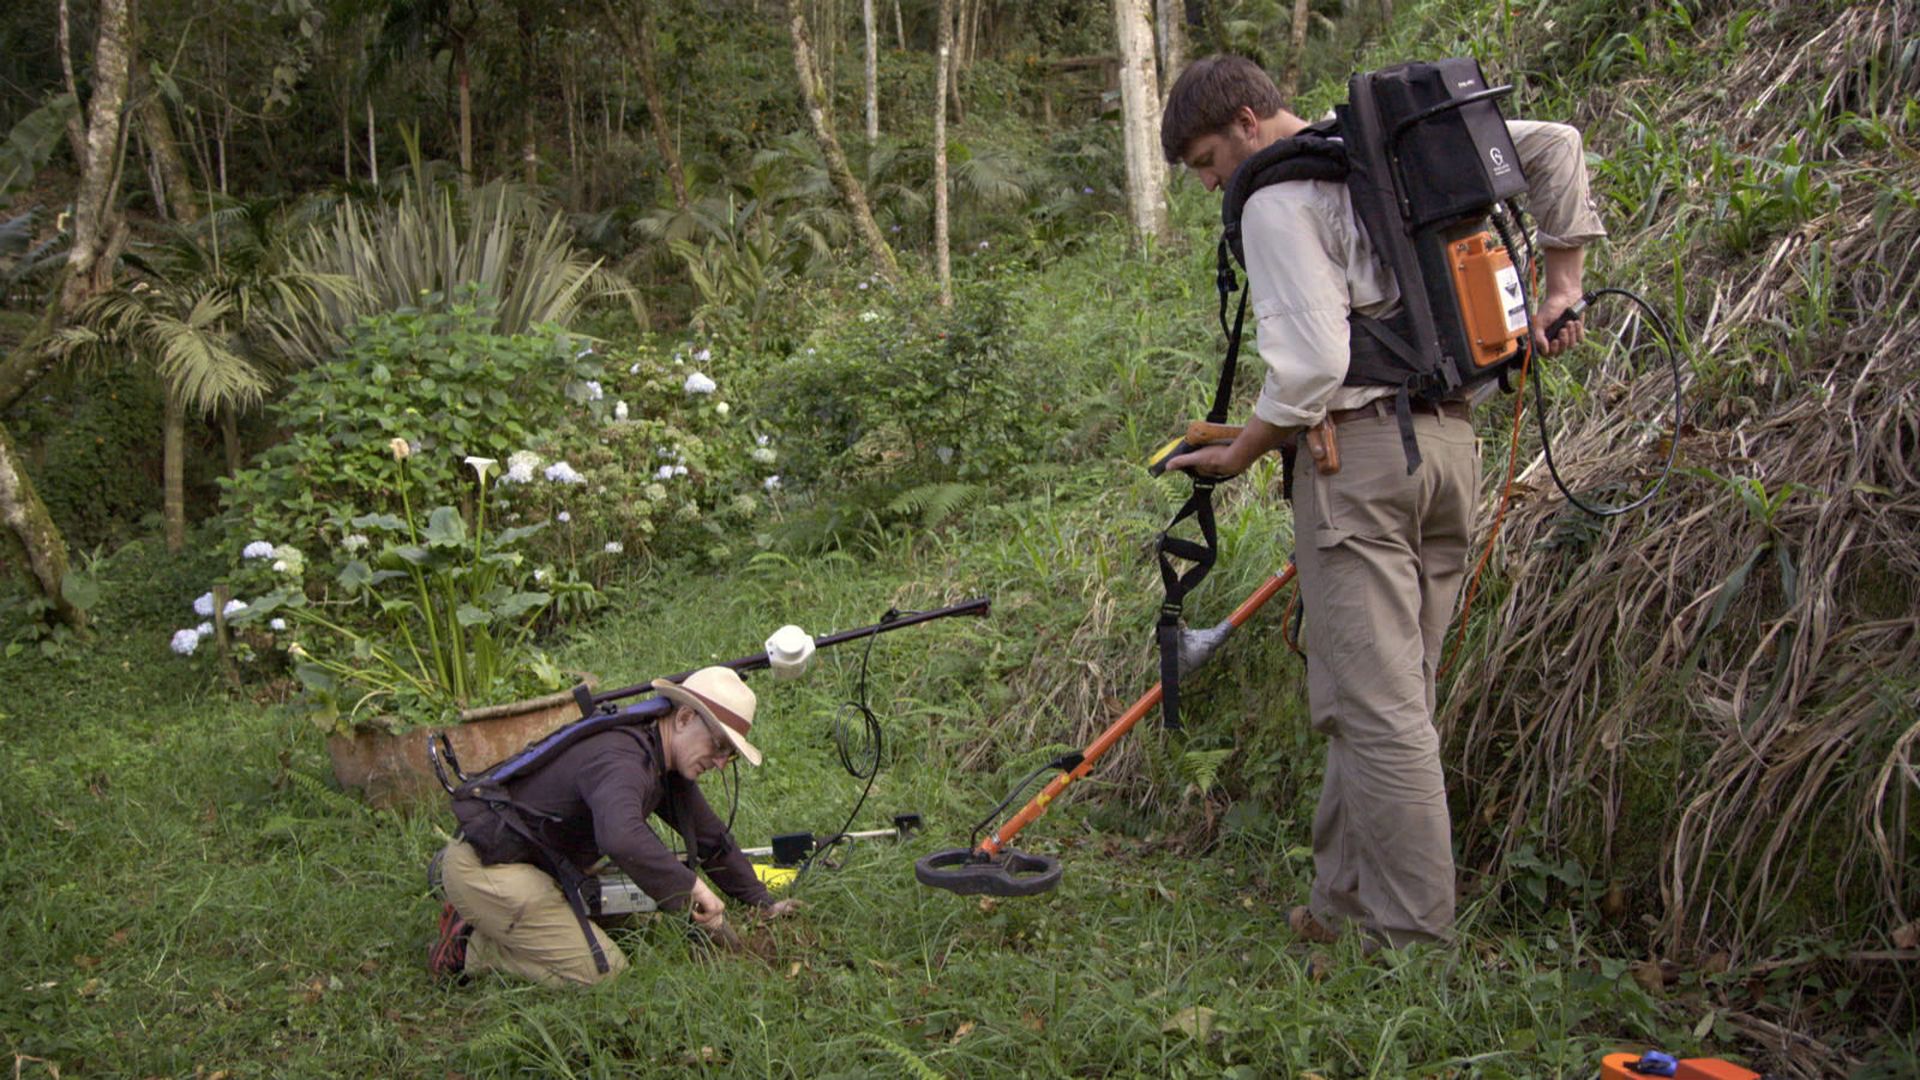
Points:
x=1256, y=439
x=1565, y=269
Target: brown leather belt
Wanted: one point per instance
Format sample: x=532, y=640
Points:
x=1383, y=407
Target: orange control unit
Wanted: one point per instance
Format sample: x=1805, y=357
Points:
x=1615, y=1067
x=1492, y=304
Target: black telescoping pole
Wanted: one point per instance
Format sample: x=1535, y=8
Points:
x=979, y=605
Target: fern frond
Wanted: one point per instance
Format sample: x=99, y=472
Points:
x=936, y=503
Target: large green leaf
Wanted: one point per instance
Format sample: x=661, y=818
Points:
x=509, y=537
x=379, y=521
x=520, y=603
x=445, y=528
x=354, y=576
x=468, y=615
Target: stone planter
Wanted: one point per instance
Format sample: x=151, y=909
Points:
x=392, y=769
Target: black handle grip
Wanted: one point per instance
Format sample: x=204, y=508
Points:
x=1578, y=309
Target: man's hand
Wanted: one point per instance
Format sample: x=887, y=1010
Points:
x=705, y=907
x=1217, y=462
x=779, y=908
x=1552, y=308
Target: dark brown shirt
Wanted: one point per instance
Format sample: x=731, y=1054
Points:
x=595, y=799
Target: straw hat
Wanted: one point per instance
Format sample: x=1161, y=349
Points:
x=718, y=694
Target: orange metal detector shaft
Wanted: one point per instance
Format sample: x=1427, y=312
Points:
x=995, y=844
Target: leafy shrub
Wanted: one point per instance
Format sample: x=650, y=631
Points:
x=671, y=466
x=903, y=406
x=447, y=608
x=446, y=382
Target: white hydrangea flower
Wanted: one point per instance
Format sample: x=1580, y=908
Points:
x=703, y=355
x=540, y=573
x=762, y=440
x=614, y=547
x=234, y=607
x=723, y=408
x=520, y=466
x=354, y=541
x=765, y=455
x=869, y=316
x=983, y=245
x=279, y=566
x=185, y=641
x=862, y=286
x=277, y=625
x=772, y=483
x=562, y=473
x=679, y=470
x=665, y=472
x=564, y=517
x=203, y=604
x=594, y=392
x=619, y=410
x=656, y=492
x=203, y=629
x=259, y=549
x=634, y=369
x=698, y=383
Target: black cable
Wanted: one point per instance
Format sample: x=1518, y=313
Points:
x=1539, y=395
x=859, y=744
x=1064, y=762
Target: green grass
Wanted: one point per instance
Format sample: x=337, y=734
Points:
x=184, y=889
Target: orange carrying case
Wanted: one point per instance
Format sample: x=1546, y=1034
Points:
x=1614, y=1067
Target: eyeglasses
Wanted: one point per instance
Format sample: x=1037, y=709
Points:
x=722, y=746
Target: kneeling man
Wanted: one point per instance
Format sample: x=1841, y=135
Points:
x=508, y=872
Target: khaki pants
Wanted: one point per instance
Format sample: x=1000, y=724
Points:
x=521, y=922
x=1381, y=557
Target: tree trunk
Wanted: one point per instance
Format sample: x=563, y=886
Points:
x=942, y=257
x=76, y=134
x=1386, y=12
x=1140, y=122
x=529, y=138
x=26, y=517
x=230, y=440
x=373, y=151
x=98, y=230
x=843, y=178
x=638, y=41
x=157, y=130
x=466, y=112
x=173, y=470
x=1172, y=16
x=899, y=27
x=1296, y=52
x=873, y=72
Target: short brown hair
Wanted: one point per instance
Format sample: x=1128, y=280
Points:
x=1207, y=96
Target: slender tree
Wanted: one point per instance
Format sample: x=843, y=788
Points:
x=636, y=36
x=99, y=230
x=1296, y=52
x=1140, y=121
x=873, y=72
x=1172, y=27
x=812, y=94
x=941, y=254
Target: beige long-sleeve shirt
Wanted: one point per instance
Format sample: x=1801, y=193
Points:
x=1309, y=263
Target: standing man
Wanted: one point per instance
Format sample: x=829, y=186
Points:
x=507, y=912
x=1380, y=551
